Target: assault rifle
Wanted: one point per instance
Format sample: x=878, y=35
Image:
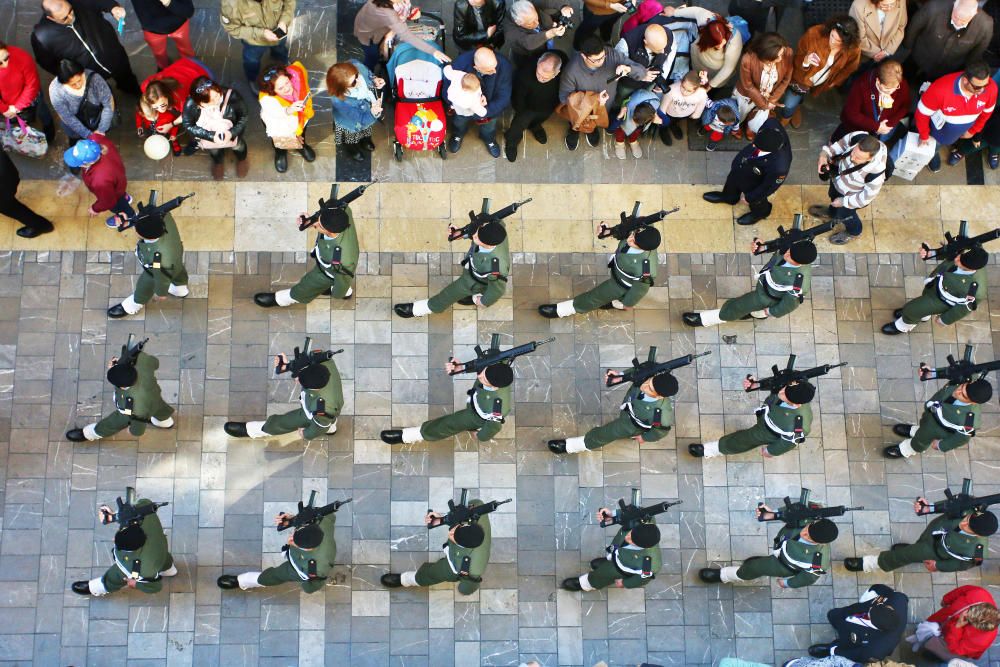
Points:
x=631, y=222
x=462, y=513
x=789, y=237
x=955, y=505
x=782, y=377
x=334, y=202
x=631, y=515
x=493, y=355
x=956, y=245
x=640, y=372
x=309, y=514
x=303, y=358
x=961, y=371
x=130, y=351
x=477, y=220
x=151, y=209
x=128, y=514
x=804, y=510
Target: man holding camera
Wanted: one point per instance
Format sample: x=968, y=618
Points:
x=855, y=168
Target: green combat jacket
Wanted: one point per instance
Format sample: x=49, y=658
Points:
x=315, y=564
x=629, y=271
x=953, y=288
x=946, y=421
x=956, y=551
x=633, y=561
x=780, y=420
x=643, y=414
x=247, y=19
x=325, y=252
x=811, y=561
x=478, y=558
x=483, y=400
x=333, y=397
x=777, y=283
x=144, y=395
x=484, y=270
x=164, y=267
x=151, y=556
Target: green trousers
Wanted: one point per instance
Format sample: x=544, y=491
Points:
x=315, y=282
x=114, y=579
x=763, y=566
x=465, y=285
x=620, y=429
x=457, y=422
x=927, y=433
x=927, y=304
x=116, y=421
x=285, y=574
x=286, y=423
x=439, y=572
x=910, y=553
x=604, y=293
x=741, y=306
x=604, y=575
x=146, y=285
x=747, y=439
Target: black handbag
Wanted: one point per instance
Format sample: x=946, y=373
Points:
x=90, y=114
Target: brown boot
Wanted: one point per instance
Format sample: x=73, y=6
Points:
x=218, y=170
x=796, y=118
x=242, y=167
x=784, y=121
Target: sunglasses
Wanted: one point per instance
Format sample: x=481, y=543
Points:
x=204, y=86
x=975, y=88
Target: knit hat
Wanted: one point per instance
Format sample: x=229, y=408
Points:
x=314, y=376
x=150, y=226
x=823, y=531
x=980, y=391
x=83, y=152
x=645, y=535
x=803, y=252
x=769, y=139
x=334, y=220
x=469, y=535
x=130, y=538
x=800, y=392
x=122, y=375
x=492, y=233
x=665, y=384
x=983, y=524
x=308, y=537
x=974, y=258
x=499, y=375
x=648, y=238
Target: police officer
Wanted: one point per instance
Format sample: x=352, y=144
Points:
x=320, y=402
x=949, y=421
x=781, y=286
x=633, y=272
x=137, y=401
x=336, y=254
x=947, y=544
x=482, y=283
x=646, y=416
x=947, y=292
x=869, y=629
x=466, y=555
x=801, y=555
x=632, y=560
x=488, y=404
x=756, y=173
x=161, y=255
x=783, y=422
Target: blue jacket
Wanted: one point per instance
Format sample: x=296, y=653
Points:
x=496, y=87
x=353, y=115
x=712, y=110
x=637, y=97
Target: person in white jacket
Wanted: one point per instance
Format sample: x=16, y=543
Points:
x=854, y=166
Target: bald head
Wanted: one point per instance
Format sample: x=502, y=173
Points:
x=963, y=11
x=548, y=67
x=59, y=11
x=655, y=38
x=485, y=61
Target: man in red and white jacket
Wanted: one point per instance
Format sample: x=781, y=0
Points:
x=954, y=107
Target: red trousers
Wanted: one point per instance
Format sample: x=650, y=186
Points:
x=713, y=135
x=620, y=135
x=158, y=44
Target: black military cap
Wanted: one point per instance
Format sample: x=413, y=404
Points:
x=645, y=535
x=308, y=537
x=122, y=375
x=974, y=258
x=151, y=227
x=500, y=375
x=800, y=392
x=314, y=376
x=983, y=524
x=665, y=384
x=648, y=238
x=823, y=531
x=469, y=535
x=769, y=139
x=803, y=252
x=492, y=233
x=980, y=391
x=334, y=220
x=130, y=538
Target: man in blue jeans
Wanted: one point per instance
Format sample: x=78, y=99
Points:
x=496, y=76
x=262, y=26
x=855, y=169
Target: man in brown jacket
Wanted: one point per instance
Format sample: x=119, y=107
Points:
x=262, y=25
x=944, y=36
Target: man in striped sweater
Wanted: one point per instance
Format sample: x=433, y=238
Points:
x=855, y=168
x=954, y=107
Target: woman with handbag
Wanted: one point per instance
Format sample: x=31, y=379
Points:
x=356, y=106
x=286, y=107
x=20, y=89
x=217, y=117
x=82, y=100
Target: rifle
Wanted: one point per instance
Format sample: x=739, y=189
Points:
x=303, y=358
x=152, y=209
x=956, y=245
x=789, y=237
x=640, y=372
x=477, y=220
x=309, y=514
x=334, y=202
x=956, y=505
x=462, y=513
x=961, y=371
x=493, y=355
x=804, y=510
x=631, y=515
x=632, y=222
x=128, y=514
x=130, y=351
x=782, y=377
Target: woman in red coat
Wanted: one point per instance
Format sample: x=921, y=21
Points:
x=966, y=625
x=877, y=101
x=163, y=97
x=20, y=91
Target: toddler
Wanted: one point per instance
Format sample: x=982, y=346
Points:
x=465, y=93
x=720, y=118
x=684, y=99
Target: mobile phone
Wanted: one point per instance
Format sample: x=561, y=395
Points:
x=279, y=32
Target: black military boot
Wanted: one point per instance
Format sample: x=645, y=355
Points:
x=228, y=582
x=392, y=436
x=696, y=450
x=854, y=564
x=902, y=430
x=710, y=575
x=236, y=429
x=391, y=580
x=557, y=446
x=571, y=584
x=81, y=587
x=76, y=435
x=265, y=299
x=404, y=309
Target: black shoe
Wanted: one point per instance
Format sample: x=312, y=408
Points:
x=692, y=319
x=571, y=584
x=747, y=219
x=854, y=564
x=902, y=430
x=510, y=151
x=265, y=299
x=696, y=450
x=710, y=575
x=714, y=197
x=367, y=144
x=117, y=312
x=454, y=144
x=190, y=149
x=665, y=137
x=596, y=562
x=32, y=232
x=236, y=429
x=819, y=650
x=281, y=161
x=307, y=152
x=594, y=138
x=391, y=580
x=820, y=212
x=392, y=436
x=76, y=435
x=466, y=301
x=493, y=148
x=557, y=446
x=403, y=309
x=675, y=129
x=81, y=587
x=892, y=452
x=572, y=140
x=539, y=134
x=548, y=310
x=898, y=313
x=228, y=582
x=890, y=329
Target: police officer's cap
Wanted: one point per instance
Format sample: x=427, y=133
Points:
x=974, y=258
x=648, y=238
x=334, y=220
x=499, y=375
x=122, y=375
x=665, y=384
x=130, y=538
x=800, y=393
x=769, y=139
x=150, y=227
x=646, y=535
x=309, y=537
x=980, y=391
x=823, y=531
x=492, y=233
x=314, y=376
x=884, y=617
x=469, y=535
x=803, y=252
x=983, y=524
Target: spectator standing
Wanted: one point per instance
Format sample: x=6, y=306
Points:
x=882, y=25
x=720, y=118
x=262, y=26
x=765, y=72
x=964, y=627
x=652, y=46
x=33, y=224
x=718, y=46
x=988, y=138
x=496, y=78
x=103, y=173
x=755, y=12
x=638, y=113
x=944, y=36
x=827, y=54
x=960, y=104
x=162, y=20
x=478, y=23
x=286, y=108
x=531, y=30
x=78, y=31
x=378, y=18
x=855, y=168
x=356, y=106
x=535, y=97
x=876, y=103
x=82, y=100
x=162, y=101
x=598, y=16
x=20, y=89
x=684, y=99
x=216, y=118
x=869, y=629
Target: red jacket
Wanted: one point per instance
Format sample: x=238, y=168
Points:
x=106, y=177
x=861, y=107
x=18, y=80
x=957, y=113
x=965, y=641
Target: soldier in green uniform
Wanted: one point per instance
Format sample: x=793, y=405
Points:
x=632, y=560
x=646, y=415
x=161, y=255
x=141, y=558
x=336, y=254
x=137, y=400
x=633, y=272
x=466, y=554
x=482, y=283
x=779, y=289
x=949, y=421
x=783, y=422
x=947, y=292
x=489, y=403
x=947, y=544
x=801, y=555
x=320, y=403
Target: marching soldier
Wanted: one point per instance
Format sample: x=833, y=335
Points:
x=783, y=422
x=948, y=292
x=161, y=255
x=780, y=288
x=137, y=399
x=633, y=272
x=336, y=254
x=632, y=560
x=948, y=544
x=489, y=403
x=949, y=421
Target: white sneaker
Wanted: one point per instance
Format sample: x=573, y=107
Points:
x=620, y=150
x=636, y=150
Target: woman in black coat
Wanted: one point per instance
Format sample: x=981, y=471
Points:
x=478, y=23
x=34, y=224
x=216, y=117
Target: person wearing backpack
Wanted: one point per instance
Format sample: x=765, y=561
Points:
x=854, y=166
